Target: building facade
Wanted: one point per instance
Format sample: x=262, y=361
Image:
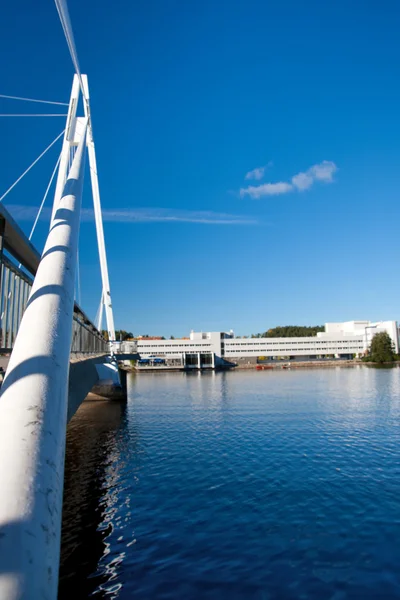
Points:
x=339, y=340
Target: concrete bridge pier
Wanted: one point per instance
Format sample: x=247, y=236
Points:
x=111, y=383
x=97, y=376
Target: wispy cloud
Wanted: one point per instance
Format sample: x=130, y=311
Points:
x=266, y=189
x=324, y=171
x=158, y=215
x=258, y=173
x=142, y=215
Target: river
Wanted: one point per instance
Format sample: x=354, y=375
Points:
x=239, y=485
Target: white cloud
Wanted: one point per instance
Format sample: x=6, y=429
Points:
x=324, y=171
x=302, y=181
x=266, y=189
x=258, y=173
x=141, y=215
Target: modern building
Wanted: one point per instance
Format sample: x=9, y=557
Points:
x=210, y=349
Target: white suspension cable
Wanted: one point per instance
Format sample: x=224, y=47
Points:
x=43, y=201
x=33, y=115
x=45, y=196
x=62, y=10
x=32, y=165
x=33, y=100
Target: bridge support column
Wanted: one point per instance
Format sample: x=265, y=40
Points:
x=111, y=382
x=33, y=411
x=106, y=297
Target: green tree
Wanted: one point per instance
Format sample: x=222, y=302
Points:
x=382, y=348
x=120, y=334
x=294, y=331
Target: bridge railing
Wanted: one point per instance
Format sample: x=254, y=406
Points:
x=85, y=336
x=15, y=287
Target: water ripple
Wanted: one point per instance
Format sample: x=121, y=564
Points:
x=240, y=485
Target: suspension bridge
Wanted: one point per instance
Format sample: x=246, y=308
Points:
x=53, y=354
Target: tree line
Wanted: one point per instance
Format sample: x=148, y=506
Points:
x=120, y=334
x=291, y=331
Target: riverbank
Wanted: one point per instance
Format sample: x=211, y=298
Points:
x=278, y=365
x=314, y=363
x=299, y=364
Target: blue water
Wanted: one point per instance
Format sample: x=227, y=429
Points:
x=264, y=485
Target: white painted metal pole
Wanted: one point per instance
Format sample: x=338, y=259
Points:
x=33, y=412
x=99, y=219
x=100, y=320
x=63, y=168
x=101, y=243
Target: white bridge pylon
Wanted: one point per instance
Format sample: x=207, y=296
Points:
x=74, y=129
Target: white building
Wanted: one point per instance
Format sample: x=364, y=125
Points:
x=339, y=340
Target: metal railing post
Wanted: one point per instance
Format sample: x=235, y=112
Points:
x=4, y=312
x=2, y=304
x=10, y=310
x=33, y=411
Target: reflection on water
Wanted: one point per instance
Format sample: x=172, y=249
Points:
x=236, y=485
x=91, y=442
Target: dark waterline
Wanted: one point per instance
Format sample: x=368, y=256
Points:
x=236, y=485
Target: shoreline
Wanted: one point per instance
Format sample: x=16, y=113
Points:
x=287, y=366
x=300, y=365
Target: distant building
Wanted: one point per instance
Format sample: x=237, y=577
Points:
x=339, y=340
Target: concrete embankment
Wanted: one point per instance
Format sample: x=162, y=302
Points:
x=313, y=363
x=298, y=364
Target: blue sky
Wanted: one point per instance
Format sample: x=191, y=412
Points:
x=189, y=98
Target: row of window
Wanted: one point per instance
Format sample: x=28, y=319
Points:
x=257, y=348
x=299, y=348
x=164, y=353
x=243, y=351
x=356, y=344
x=255, y=345
x=176, y=346
x=355, y=341
x=329, y=348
